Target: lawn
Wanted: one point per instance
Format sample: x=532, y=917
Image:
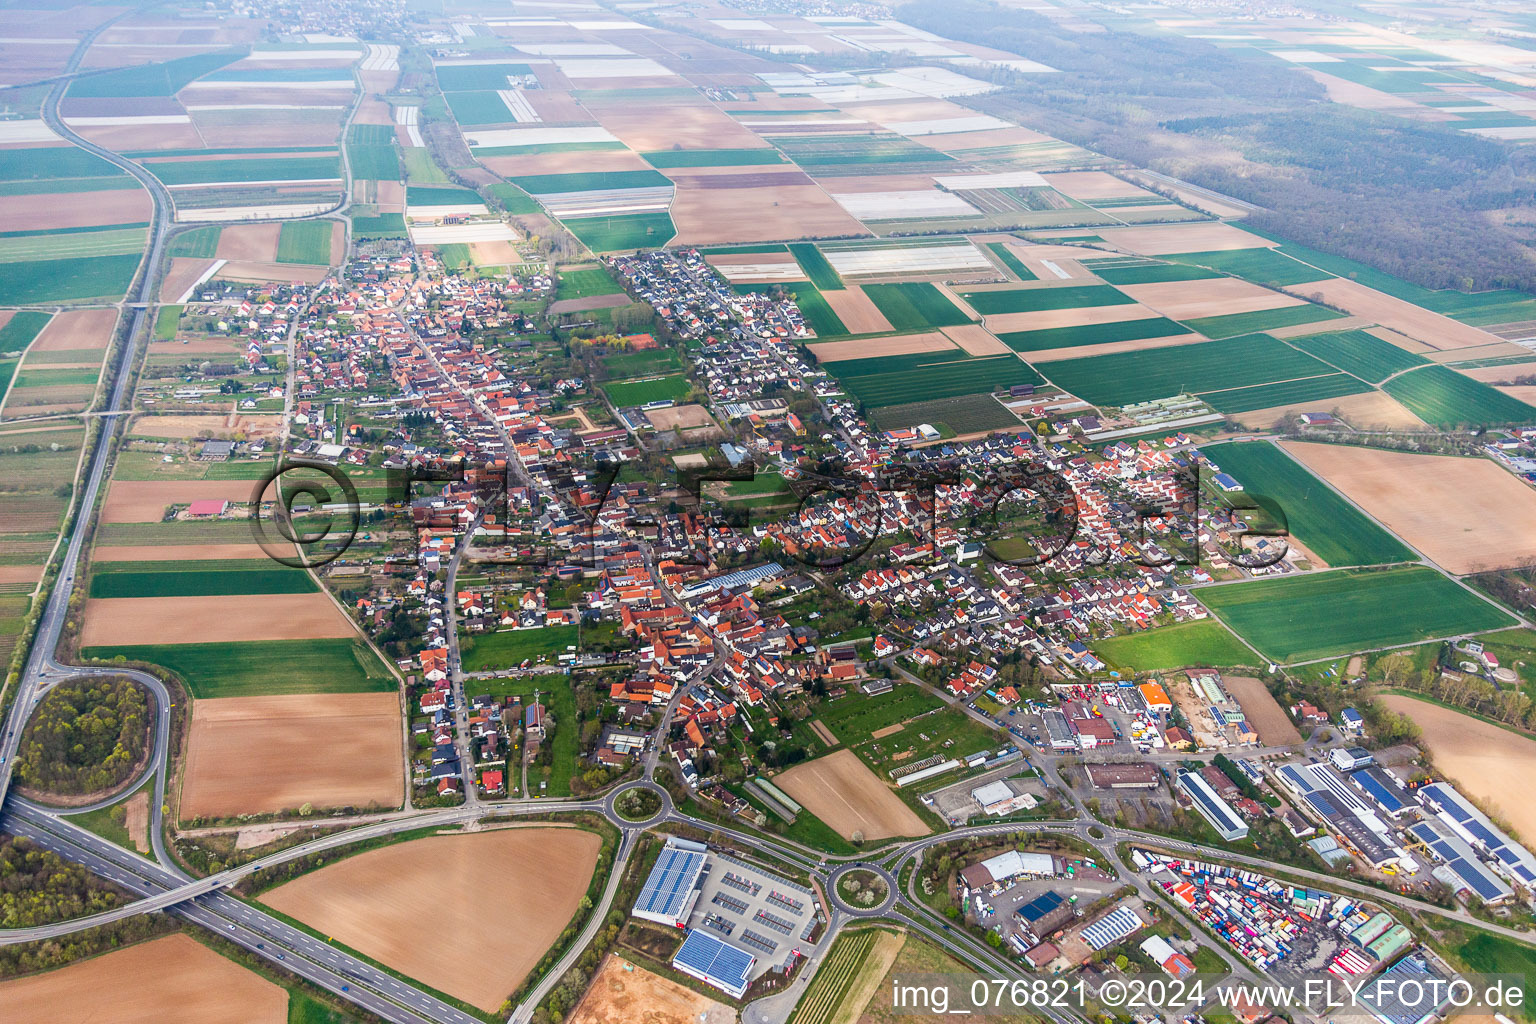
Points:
x=1233, y=324
x=1442, y=397
x=623, y=231
x=197, y=579
x=642, y=392
x=713, y=157
x=815, y=265
x=915, y=306
x=269, y=667
x=1290, y=392
x=1364, y=355
x=1024, y=300
x=1124, y=378
x=581, y=284
x=1203, y=642
x=305, y=241
x=1091, y=334
x=1318, y=615
x=854, y=717
x=60, y=280
x=509, y=648
x=1012, y=262
x=1317, y=516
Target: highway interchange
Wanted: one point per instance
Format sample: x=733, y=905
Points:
x=161, y=885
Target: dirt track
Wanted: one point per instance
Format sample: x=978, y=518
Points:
x=509, y=894
x=842, y=791
x=1465, y=514
x=251, y=755
x=171, y=980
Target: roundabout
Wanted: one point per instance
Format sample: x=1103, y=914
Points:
x=861, y=889
x=638, y=805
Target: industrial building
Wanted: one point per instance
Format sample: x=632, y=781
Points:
x=672, y=887
x=1386, y=1001
x=996, y=798
x=1475, y=828
x=1009, y=865
x=1060, y=731
x=1044, y=914
x=1112, y=927
x=1212, y=807
x=715, y=963
x=1165, y=956
x=1460, y=868
x=1123, y=776
x=1349, y=811
x=741, y=579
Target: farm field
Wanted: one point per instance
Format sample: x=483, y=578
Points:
x=1490, y=764
x=1315, y=390
x=111, y=621
x=819, y=314
x=1092, y=334
x=198, y=579
x=842, y=791
x=895, y=380
x=1263, y=265
x=1330, y=527
x=1442, y=397
x=305, y=241
x=1263, y=712
x=166, y=979
x=815, y=266
x=622, y=231
x=247, y=669
x=914, y=306
x=586, y=282
x=1015, y=265
x=916, y=956
x=963, y=414
x=145, y=501
x=846, y=981
x=1466, y=515
x=1027, y=300
x=642, y=392
x=264, y=755
x=509, y=647
x=496, y=885
x=1233, y=324
x=1124, y=378
x=619, y=987
x=1203, y=642
x=1302, y=618
x=85, y=277
x=1364, y=355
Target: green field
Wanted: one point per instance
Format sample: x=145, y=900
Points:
x=1288, y=392
x=477, y=77
x=420, y=168
x=198, y=243
x=61, y=245
x=1364, y=355
x=43, y=377
x=21, y=328
x=1091, y=334
x=1204, y=642
x=927, y=376
x=1318, y=615
x=964, y=414
x=512, y=198
x=815, y=265
x=852, y=719
x=713, y=157
x=62, y=280
x=1326, y=523
x=509, y=648
x=639, y=364
x=824, y=151
x=382, y=225
x=305, y=241
x=1123, y=378
x=264, y=666
x=642, y=392
x=371, y=152
x=1485, y=953
x=1024, y=300
x=54, y=162
x=589, y=181
x=204, y=172
x=432, y=195
x=1261, y=266
x=478, y=108
x=197, y=579
x=581, y=284
x=1444, y=398
x=623, y=231
x=164, y=79
x=915, y=306
x=1151, y=273
x=1234, y=324
x=1012, y=262
x=166, y=322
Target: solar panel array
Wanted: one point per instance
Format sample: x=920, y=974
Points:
x=1379, y=787
x=1458, y=858
x=670, y=882
x=714, y=961
x=1515, y=859
x=1394, y=1009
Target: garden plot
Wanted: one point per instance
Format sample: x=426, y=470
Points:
x=878, y=260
